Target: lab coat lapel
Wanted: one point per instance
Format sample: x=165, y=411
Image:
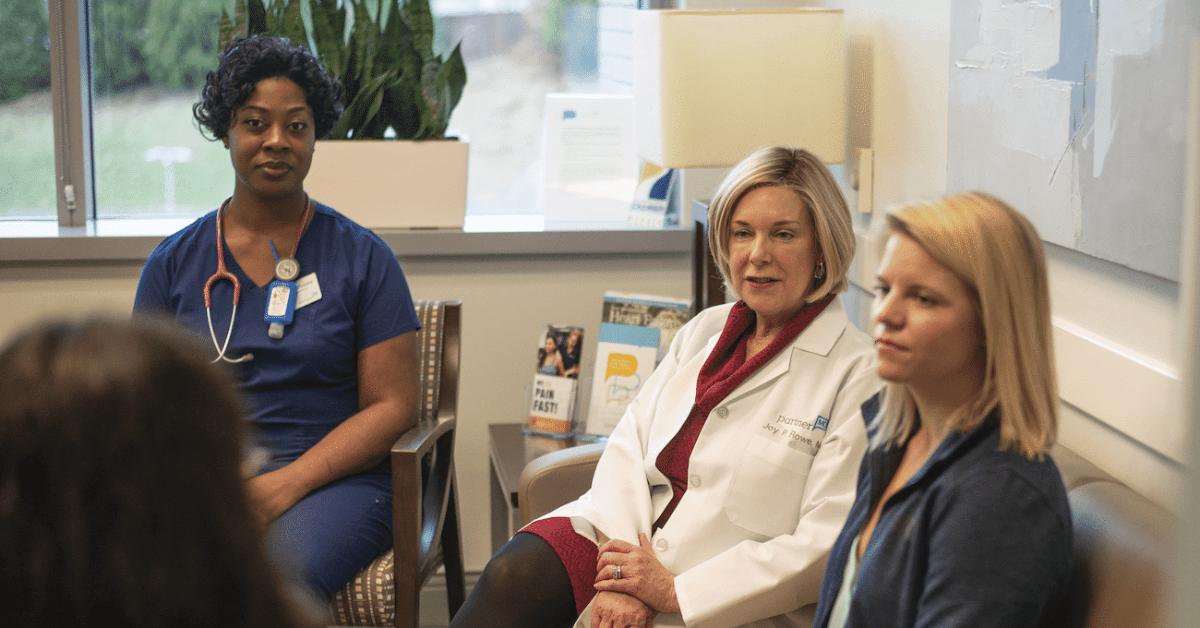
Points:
x=819, y=338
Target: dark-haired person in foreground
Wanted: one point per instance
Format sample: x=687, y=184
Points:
x=311, y=309
x=122, y=501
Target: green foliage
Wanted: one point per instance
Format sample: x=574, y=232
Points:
x=180, y=36
x=25, y=48
x=168, y=43
x=118, y=45
x=381, y=51
x=159, y=42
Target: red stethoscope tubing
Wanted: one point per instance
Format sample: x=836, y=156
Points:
x=223, y=273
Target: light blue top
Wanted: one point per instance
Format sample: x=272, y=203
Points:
x=841, y=605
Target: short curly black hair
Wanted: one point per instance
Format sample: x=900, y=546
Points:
x=248, y=60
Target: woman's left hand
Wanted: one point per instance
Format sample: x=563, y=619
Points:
x=642, y=575
x=271, y=494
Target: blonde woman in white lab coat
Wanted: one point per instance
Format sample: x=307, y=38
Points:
x=725, y=484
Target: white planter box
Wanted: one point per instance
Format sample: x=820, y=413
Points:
x=392, y=184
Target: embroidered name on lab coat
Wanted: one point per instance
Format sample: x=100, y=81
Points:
x=804, y=433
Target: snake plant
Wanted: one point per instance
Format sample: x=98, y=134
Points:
x=380, y=50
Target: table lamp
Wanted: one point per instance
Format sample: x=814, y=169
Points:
x=710, y=87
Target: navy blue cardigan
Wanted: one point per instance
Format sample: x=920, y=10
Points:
x=977, y=538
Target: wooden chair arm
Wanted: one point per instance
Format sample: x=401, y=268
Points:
x=423, y=496
x=422, y=436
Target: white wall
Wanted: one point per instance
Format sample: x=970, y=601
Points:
x=33, y=293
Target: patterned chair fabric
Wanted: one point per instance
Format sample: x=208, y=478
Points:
x=425, y=496
x=432, y=315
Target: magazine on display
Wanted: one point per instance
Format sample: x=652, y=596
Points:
x=636, y=331
x=552, y=396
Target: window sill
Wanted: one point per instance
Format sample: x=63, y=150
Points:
x=134, y=240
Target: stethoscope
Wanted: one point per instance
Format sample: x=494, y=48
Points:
x=287, y=266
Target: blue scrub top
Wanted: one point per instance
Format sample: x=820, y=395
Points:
x=303, y=385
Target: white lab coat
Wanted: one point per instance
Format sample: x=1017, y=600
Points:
x=749, y=540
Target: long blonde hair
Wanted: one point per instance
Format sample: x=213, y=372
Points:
x=803, y=173
x=997, y=252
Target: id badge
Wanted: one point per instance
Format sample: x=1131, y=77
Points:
x=281, y=302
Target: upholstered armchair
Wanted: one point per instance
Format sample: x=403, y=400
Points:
x=426, y=532
x=556, y=478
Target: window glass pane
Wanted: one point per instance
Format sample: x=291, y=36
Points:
x=26, y=119
x=149, y=59
x=150, y=56
x=516, y=52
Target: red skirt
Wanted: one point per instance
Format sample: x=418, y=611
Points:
x=577, y=553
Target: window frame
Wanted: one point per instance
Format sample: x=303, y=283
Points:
x=71, y=93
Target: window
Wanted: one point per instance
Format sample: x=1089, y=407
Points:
x=26, y=125
x=516, y=52
x=149, y=59
x=129, y=147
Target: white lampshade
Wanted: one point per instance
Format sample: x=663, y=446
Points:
x=710, y=87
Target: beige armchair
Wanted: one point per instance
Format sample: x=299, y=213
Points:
x=555, y=479
x=1124, y=551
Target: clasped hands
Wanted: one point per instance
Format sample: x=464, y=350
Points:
x=644, y=589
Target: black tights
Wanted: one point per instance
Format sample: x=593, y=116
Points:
x=525, y=585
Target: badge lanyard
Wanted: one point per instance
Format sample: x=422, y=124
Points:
x=281, y=292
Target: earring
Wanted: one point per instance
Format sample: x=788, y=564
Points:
x=819, y=273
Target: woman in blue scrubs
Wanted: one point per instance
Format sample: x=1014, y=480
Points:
x=311, y=310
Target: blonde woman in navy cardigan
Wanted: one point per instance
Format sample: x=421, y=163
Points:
x=960, y=518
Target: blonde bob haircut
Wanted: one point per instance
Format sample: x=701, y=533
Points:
x=997, y=252
x=800, y=171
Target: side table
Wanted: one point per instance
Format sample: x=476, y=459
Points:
x=510, y=450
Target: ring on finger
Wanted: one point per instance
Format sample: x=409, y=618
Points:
x=616, y=572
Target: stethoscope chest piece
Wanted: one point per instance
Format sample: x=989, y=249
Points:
x=287, y=269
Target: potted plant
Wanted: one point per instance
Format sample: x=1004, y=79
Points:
x=399, y=97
